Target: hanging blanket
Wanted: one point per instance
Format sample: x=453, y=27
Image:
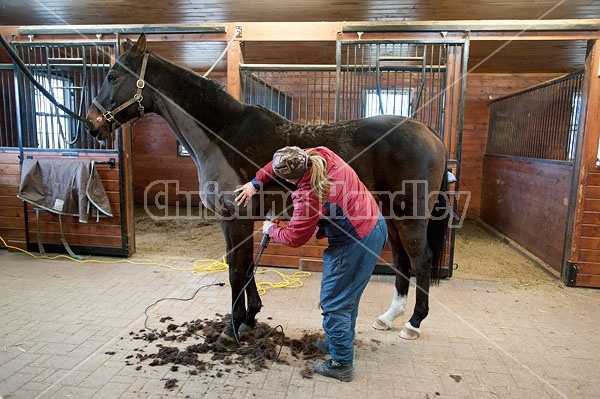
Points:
x=64, y=187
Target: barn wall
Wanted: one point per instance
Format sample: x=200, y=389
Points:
x=588, y=256
x=527, y=200
x=12, y=213
x=480, y=87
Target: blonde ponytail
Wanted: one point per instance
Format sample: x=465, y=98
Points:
x=319, y=180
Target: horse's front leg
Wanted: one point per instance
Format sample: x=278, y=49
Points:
x=238, y=236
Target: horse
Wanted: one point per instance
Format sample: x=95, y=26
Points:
x=397, y=158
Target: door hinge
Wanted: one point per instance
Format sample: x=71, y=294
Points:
x=571, y=274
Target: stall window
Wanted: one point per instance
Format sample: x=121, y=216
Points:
x=394, y=101
x=53, y=127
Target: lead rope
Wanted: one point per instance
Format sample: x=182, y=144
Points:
x=220, y=57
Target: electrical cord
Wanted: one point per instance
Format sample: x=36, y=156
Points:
x=175, y=299
x=199, y=265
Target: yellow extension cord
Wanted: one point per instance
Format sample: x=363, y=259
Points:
x=199, y=266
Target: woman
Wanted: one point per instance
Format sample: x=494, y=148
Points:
x=331, y=200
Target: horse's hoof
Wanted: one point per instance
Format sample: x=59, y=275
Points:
x=380, y=325
x=410, y=332
x=225, y=336
x=244, y=328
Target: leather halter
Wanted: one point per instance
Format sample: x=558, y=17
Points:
x=109, y=116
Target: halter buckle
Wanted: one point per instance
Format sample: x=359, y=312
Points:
x=108, y=116
x=140, y=84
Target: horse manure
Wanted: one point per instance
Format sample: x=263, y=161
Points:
x=171, y=383
x=259, y=347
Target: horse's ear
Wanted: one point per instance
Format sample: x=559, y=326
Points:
x=127, y=45
x=140, y=46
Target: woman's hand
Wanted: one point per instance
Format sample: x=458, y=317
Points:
x=245, y=193
x=266, y=226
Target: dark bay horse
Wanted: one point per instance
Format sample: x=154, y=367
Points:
x=402, y=161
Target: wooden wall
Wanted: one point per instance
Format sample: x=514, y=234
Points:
x=12, y=213
x=160, y=177
x=588, y=243
x=527, y=200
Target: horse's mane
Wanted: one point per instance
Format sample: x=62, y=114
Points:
x=196, y=77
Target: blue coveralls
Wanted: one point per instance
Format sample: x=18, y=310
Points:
x=347, y=267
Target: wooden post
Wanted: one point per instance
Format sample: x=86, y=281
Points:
x=234, y=59
x=582, y=237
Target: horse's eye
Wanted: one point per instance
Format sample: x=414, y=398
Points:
x=111, y=78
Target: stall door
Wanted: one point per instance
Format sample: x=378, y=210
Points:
x=51, y=143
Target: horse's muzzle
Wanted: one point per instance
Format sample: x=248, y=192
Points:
x=97, y=126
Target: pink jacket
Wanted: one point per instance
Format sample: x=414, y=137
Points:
x=349, y=213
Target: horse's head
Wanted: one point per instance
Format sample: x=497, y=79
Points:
x=121, y=97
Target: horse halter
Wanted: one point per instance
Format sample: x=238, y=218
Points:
x=109, y=116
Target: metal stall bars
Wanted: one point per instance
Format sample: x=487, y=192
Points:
x=304, y=94
x=72, y=73
x=9, y=123
x=540, y=122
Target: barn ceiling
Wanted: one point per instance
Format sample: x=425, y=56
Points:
x=555, y=56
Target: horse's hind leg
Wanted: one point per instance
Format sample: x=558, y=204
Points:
x=413, y=234
x=401, y=264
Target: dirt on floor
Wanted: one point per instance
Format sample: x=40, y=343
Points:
x=198, y=348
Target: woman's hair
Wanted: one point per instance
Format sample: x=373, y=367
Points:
x=319, y=180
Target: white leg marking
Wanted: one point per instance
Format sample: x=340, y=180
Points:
x=386, y=320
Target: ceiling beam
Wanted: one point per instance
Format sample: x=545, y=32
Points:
x=119, y=29
x=502, y=30
x=476, y=26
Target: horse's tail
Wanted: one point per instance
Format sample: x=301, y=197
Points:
x=437, y=229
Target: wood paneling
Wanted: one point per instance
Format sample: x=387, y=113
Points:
x=12, y=222
x=160, y=175
x=588, y=254
x=527, y=200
